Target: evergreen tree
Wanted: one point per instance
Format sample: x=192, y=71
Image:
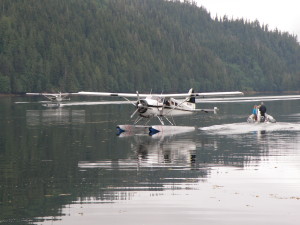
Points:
x=127, y=45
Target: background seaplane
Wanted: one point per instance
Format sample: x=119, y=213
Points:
x=161, y=106
x=55, y=98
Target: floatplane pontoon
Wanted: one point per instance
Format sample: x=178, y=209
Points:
x=155, y=130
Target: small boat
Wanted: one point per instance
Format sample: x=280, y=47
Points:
x=261, y=119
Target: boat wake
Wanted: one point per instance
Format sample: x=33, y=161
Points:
x=243, y=128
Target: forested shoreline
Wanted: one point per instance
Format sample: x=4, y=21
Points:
x=128, y=45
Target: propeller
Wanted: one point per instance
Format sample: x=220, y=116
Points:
x=137, y=104
x=141, y=105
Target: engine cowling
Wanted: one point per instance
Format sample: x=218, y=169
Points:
x=142, y=106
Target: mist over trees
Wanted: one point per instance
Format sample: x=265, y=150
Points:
x=128, y=45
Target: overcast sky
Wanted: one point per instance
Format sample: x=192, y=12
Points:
x=281, y=14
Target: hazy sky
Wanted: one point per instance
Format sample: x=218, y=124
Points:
x=281, y=14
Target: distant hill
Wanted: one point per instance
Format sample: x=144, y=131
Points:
x=128, y=45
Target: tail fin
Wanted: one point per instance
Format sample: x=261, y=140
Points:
x=191, y=99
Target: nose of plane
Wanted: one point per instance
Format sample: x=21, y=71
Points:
x=142, y=106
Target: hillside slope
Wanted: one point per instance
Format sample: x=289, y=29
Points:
x=128, y=45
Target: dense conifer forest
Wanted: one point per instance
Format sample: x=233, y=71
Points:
x=128, y=45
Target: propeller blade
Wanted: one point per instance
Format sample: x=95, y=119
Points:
x=138, y=97
x=132, y=115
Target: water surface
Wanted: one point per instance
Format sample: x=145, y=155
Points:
x=68, y=166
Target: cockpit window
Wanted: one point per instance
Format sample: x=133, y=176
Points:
x=157, y=98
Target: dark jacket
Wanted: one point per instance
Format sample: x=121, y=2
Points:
x=262, y=110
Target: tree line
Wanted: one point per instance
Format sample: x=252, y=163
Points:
x=128, y=45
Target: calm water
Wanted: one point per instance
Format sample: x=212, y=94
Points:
x=68, y=166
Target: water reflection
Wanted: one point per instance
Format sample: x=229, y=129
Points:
x=165, y=164
x=52, y=161
x=54, y=116
x=257, y=142
x=147, y=151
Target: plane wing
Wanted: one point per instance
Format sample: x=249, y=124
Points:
x=49, y=94
x=108, y=94
x=130, y=95
x=218, y=94
x=250, y=99
x=97, y=103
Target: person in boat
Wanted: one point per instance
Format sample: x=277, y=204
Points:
x=262, y=109
x=254, y=112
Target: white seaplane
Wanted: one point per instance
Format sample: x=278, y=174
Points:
x=55, y=98
x=161, y=106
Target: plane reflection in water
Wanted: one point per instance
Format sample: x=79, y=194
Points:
x=165, y=151
x=155, y=163
x=156, y=151
x=54, y=116
x=152, y=153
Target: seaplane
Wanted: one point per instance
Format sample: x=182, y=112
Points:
x=55, y=98
x=161, y=106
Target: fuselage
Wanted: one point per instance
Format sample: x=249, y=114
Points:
x=157, y=106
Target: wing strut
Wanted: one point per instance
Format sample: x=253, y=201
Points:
x=170, y=121
x=160, y=120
